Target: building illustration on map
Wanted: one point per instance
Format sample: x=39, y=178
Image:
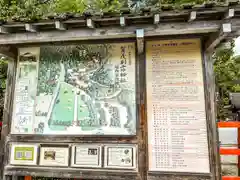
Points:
x=85, y=90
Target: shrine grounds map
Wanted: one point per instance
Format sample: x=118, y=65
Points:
x=80, y=90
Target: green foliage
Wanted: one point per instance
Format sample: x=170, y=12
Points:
x=227, y=72
x=107, y=5
x=32, y=10
x=3, y=74
x=70, y=6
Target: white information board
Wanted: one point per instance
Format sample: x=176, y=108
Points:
x=177, y=138
x=23, y=154
x=54, y=156
x=86, y=156
x=67, y=90
x=25, y=91
x=120, y=156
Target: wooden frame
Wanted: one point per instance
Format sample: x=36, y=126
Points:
x=211, y=31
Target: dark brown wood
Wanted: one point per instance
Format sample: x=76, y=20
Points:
x=216, y=38
x=8, y=51
x=7, y=114
x=142, y=127
x=209, y=83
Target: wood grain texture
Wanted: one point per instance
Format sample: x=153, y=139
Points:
x=209, y=83
x=140, y=138
x=71, y=173
x=7, y=113
x=163, y=29
x=179, y=177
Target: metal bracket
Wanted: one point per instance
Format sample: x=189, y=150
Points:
x=140, y=40
x=3, y=30
x=229, y=14
x=192, y=16
x=30, y=28
x=122, y=21
x=90, y=23
x=60, y=26
x=156, y=18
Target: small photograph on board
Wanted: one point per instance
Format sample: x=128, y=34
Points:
x=92, y=151
x=23, y=154
x=54, y=156
x=49, y=155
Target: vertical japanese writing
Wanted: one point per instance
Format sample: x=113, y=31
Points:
x=129, y=55
x=123, y=64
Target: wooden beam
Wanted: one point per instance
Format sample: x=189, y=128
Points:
x=8, y=51
x=74, y=172
x=162, y=29
x=60, y=26
x=156, y=18
x=229, y=14
x=216, y=38
x=30, y=28
x=122, y=21
x=90, y=23
x=192, y=16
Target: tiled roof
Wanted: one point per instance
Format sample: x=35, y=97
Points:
x=149, y=15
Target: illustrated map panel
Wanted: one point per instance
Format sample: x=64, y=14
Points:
x=177, y=130
x=80, y=89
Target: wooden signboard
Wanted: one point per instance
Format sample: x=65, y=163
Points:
x=54, y=156
x=76, y=90
x=23, y=154
x=64, y=92
x=82, y=107
x=177, y=138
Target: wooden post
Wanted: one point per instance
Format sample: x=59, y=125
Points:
x=7, y=113
x=211, y=116
x=141, y=111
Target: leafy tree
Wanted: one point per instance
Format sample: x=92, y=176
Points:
x=227, y=72
x=3, y=76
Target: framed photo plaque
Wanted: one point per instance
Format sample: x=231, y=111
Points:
x=54, y=156
x=86, y=156
x=24, y=154
x=90, y=93
x=120, y=156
